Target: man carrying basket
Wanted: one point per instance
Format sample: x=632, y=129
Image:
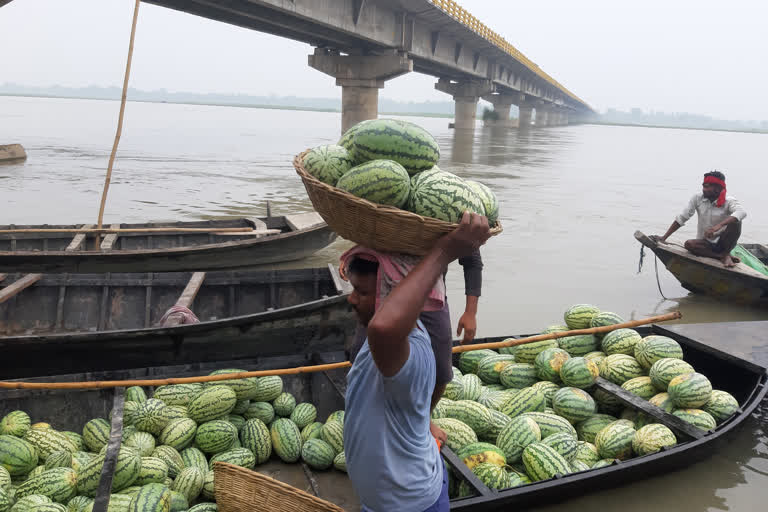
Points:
x=392, y=458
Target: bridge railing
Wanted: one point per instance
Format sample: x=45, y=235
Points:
x=457, y=12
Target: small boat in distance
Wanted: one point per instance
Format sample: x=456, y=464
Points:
x=697, y=274
x=163, y=246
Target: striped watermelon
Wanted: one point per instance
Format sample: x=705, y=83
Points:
x=721, y=405
x=454, y=390
x=492, y=399
x=640, y=386
x=596, y=357
x=215, y=436
x=456, y=372
x=204, y=507
x=15, y=423
x=60, y=459
x=179, y=502
x=189, y=482
x=442, y=408
x=5, y=479
x=663, y=402
x=580, y=316
x=312, y=431
x=174, y=412
x=697, y=418
x=666, y=369
x=406, y=143
x=548, y=363
x=17, y=455
x=153, y=470
x=135, y=394
x=489, y=369
x=142, y=442
x=150, y=416
x=262, y=411
x=346, y=140
x=304, y=414
x=30, y=503
x=328, y=163
x=621, y=341
x=498, y=421
x=340, y=462
x=578, y=372
x=151, y=498
x=548, y=388
x=211, y=403
x=472, y=386
x=459, y=433
x=476, y=453
x=240, y=407
x=47, y=441
x=490, y=203
x=193, y=457
x=177, y=394
x=518, y=375
x=573, y=404
x=652, y=348
x=209, y=488
x=80, y=503
x=516, y=435
x=493, y=476
x=255, y=436
x=171, y=457
x=554, y=328
x=317, y=454
x=383, y=182
x=603, y=319
x=578, y=345
x=58, y=484
x=244, y=389
x=77, y=439
x=615, y=441
x=550, y=423
x=526, y=400
x=127, y=469
x=577, y=466
x=237, y=420
x=286, y=439
x=179, y=433
x=444, y=196
x=563, y=443
x=469, y=361
x=543, y=462
x=284, y=404
x=527, y=353
x=589, y=428
x=619, y=368
x=603, y=463
x=269, y=388
x=586, y=452
x=690, y=390
x=130, y=410
x=517, y=479
x=652, y=438
x=477, y=416
x=333, y=434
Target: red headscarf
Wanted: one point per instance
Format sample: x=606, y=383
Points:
x=717, y=181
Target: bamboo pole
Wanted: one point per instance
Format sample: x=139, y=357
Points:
x=320, y=367
x=108, y=178
x=132, y=230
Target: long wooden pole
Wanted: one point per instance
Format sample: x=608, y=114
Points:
x=317, y=368
x=108, y=178
x=133, y=230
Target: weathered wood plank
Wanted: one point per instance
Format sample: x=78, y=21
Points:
x=258, y=224
x=2, y=276
x=301, y=221
x=18, y=286
x=109, y=241
x=78, y=241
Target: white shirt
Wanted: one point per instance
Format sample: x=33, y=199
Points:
x=710, y=215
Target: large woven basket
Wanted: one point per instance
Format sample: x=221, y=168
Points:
x=243, y=490
x=383, y=228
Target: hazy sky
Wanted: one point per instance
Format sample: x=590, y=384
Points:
x=697, y=56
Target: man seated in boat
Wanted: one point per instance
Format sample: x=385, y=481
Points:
x=719, y=217
x=392, y=459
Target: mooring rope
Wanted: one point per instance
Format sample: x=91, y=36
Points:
x=656, y=266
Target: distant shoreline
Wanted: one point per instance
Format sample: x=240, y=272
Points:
x=222, y=104
x=733, y=130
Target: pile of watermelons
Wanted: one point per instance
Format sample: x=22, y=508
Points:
x=169, y=445
x=394, y=163
x=527, y=413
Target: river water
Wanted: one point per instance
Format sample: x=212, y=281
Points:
x=571, y=199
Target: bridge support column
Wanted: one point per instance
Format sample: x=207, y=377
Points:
x=360, y=78
x=542, y=117
x=525, y=116
x=502, y=104
x=466, y=95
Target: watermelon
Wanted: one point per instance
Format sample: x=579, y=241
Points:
x=333, y=434
x=47, y=441
x=615, y=441
x=493, y=399
x=406, y=143
x=340, y=462
x=237, y=420
x=690, y=390
x=548, y=388
x=476, y=453
x=31, y=503
x=640, y=386
x=174, y=412
x=472, y=386
x=548, y=363
x=454, y=390
x=211, y=403
x=328, y=163
x=346, y=140
x=543, y=462
x=498, y=421
x=596, y=357
x=445, y=197
x=269, y=388
x=554, y=328
x=516, y=435
x=721, y=405
x=469, y=361
x=244, y=389
x=459, y=433
x=697, y=418
x=526, y=400
x=527, y=353
x=589, y=428
x=286, y=439
x=578, y=345
x=550, y=423
x=586, y=452
x=380, y=181
x=563, y=443
x=489, y=369
x=80, y=503
x=177, y=394
x=317, y=454
x=262, y=411
x=151, y=498
x=15, y=423
x=573, y=404
x=518, y=375
x=130, y=410
x=493, y=476
x=135, y=394
x=179, y=502
x=189, y=482
x=179, y=433
x=150, y=416
x=578, y=466
x=603, y=319
x=153, y=470
x=619, y=368
x=579, y=372
x=621, y=341
x=284, y=404
x=209, y=490
x=17, y=456
x=127, y=469
x=204, y=507
x=240, y=407
x=193, y=457
x=652, y=348
x=580, y=316
x=60, y=459
x=663, y=402
x=5, y=479
x=490, y=203
x=142, y=442
x=666, y=369
x=303, y=414
x=312, y=431
x=652, y=438
x=59, y=484
x=242, y=457
x=255, y=436
x=215, y=436
x=603, y=463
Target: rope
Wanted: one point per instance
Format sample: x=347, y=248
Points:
x=656, y=266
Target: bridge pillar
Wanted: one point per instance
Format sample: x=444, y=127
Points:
x=360, y=78
x=466, y=95
x=542, y=116
x=502, y=104
x=524, y=117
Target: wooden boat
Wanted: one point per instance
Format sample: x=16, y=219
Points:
x=106, y=321
x=164, y=246
x=706, y=275
x=746, y=381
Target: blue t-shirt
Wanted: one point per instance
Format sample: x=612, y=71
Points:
x=392, y=458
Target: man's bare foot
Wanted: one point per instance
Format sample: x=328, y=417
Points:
x=438, y=433
x=729, y=261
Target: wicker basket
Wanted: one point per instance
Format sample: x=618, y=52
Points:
x=243, y=490
x=383, y=228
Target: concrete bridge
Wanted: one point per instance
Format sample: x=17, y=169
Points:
x=365, y=43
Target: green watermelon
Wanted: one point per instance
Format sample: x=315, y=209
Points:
x=59, y=484
x=193, y=457
x=473, y=414
x=317, y=454
x=697, y=418
x=548, y=388
x=142, y=442
x=690, y=390
x=493, y=476
x=489, y=369
x=255, y=436
x=153, y=470
x=472, y=386
x=459, y=433
x=151, y=498
x=15, y=423
x=518, y=375
x=127, y=469
x=490, y=203
x=596, y=357
x=543, y=462
x=589, y=428
x=242, y=457
x=333, y=434
x=573, y=404
x=262, y=411
x=563, y=443
x=340, y=462
x=526, y=400
x=579, y=372
x=406, y=143
x=662, y=401
x=215, y=436
x=578, y=345
x=268, y=389
x=516, y=435
x=284, y=404
x=666, y=369
x=303, y=414
x=189, y=481
x=652, y=348
x=150, y=416
x=619, y=368
x=47, y=441
x=286, y=439
x=615, y=441
x=211, y=403
x=349, y=135
x=469, y=361
x=454, y=390
x=17, y=456
x=527, y=353
x=311, y=431
x=60, y=459
x=380, y=181
x=177, y=394
x=721, y=405
x=578, y=466
x=580, y=316
x=550, y=423
x=621, y=341
x=548, y=363
x=179, y=433
x=607, y=403
x=135, y=394
x=640, y=386
x=476, y=453
x=444, y=197
x=652, y=438
x=328, y=163
x=603, y=319
x=586, y=452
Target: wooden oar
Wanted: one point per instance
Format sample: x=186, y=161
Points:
x=311, y=369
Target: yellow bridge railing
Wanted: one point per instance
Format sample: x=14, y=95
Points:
x=457, y=12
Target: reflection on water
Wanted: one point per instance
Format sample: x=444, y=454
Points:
x=571, y=198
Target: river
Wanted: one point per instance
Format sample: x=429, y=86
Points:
x=571, y=198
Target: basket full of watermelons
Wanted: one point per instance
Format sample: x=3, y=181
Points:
x=380, y=187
